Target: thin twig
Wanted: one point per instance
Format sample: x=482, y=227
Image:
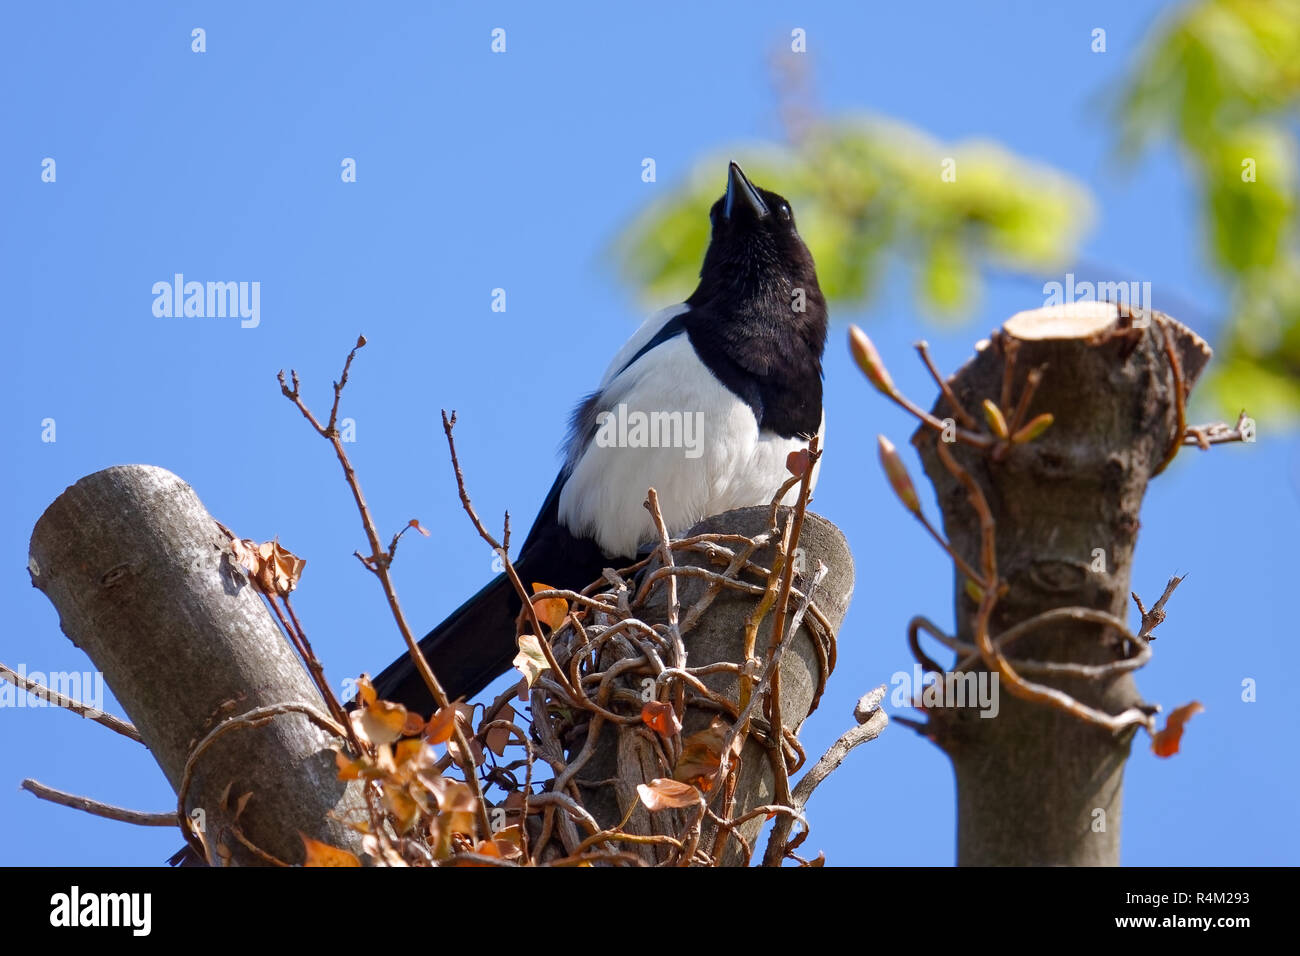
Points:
x=835, y=754
x=502, y=549
x=958, y=412
x=1218, y=433
x=379, y=562
x=1153, y=618
x=1032, y=380
x=1031, y=667
x=115, y=724
x=140, y=818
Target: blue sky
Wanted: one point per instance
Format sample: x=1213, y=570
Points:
x=477, y=171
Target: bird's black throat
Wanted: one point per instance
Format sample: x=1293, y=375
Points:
x=758, y=318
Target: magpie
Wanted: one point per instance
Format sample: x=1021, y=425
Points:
x=741, y=360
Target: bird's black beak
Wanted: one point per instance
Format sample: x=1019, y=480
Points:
x=741, y=194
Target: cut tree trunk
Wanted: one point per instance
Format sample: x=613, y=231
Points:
x=1035, y=785
x=144, y=583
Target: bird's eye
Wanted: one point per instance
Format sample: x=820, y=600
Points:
x=785, y=212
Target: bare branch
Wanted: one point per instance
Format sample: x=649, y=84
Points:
x=107, y=810
x=115, y=724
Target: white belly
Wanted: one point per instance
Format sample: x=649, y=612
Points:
x=673, y=427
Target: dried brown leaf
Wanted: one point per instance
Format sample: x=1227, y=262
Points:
x=1165, y=743
x=531, y=660
x=661, y=718
x=663, y=794
x=322, y=854
x=550, y=611
x=382, y=721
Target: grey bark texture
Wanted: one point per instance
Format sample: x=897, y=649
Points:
x=140, y=575
x=1034, y=785
x=628, y=755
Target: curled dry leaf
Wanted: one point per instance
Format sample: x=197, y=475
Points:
x=550, y=611
x=797, y=462
x=415, y=523
x=322, y=854
x=498, y=738
x=661, y=718
x=475, y=751
x=441, y=729
x=502, y=849
x=457, y=804
x=513, y=835
x=664, y=794
x=531, y=660
x=409, y=754
x=381, y=722
x=1165, y=742
x=279, y=569
x=702, y=755
x=441, y=725
x=414, y=725
x=349, y=769
x=245, y=552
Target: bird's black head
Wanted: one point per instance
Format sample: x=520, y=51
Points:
x=756, y=257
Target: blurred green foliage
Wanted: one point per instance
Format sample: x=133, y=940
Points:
x=863, y=189
x=1221, y=79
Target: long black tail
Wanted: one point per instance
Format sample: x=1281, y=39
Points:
x=476, y=644
x=467, y=651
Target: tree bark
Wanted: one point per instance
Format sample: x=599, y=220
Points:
x=1035, y=785
x=143, y=582
x=628, y=755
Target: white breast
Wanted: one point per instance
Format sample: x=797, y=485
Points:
x=674, y=427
